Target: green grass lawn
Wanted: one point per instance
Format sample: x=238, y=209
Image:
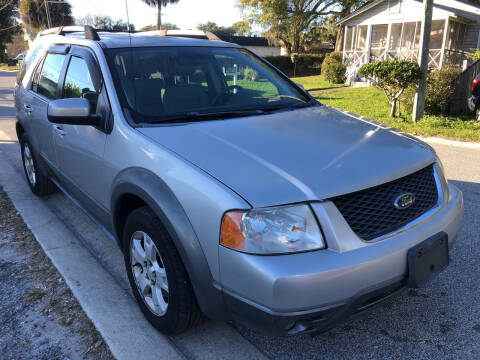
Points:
x=372, y=103
x=264, y=87
x=6, y=67
x=315, y=82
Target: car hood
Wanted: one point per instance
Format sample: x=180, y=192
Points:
x=313, y=153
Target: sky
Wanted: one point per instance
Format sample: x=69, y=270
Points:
x=186, y=14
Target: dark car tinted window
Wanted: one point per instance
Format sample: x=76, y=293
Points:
x=78, y=82
x=52, y=66
x=167, y=82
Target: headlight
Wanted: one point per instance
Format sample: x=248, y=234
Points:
x=276, y=230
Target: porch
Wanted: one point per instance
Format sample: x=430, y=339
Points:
x=400, y=40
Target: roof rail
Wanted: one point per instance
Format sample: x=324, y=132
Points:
x=90, y=32
x=182, y=33
x=62, y=30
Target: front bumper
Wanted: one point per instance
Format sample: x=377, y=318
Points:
x=317, y=290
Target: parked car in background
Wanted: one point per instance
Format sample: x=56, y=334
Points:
x=19, y=58
x=244, y=200
x=474, y=100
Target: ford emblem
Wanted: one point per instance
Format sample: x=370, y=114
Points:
x=404, y=201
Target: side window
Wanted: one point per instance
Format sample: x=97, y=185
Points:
x=49, y=76
x=79, y=84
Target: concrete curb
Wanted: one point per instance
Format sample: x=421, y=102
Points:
x=441, y=141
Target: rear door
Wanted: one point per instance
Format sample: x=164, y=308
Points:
x=80, y=148
x=45, y=88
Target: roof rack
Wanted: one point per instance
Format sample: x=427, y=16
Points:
x=90, y=32
x=195, y=34
x=62, y=30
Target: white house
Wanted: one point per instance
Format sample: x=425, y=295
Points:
x=390, y=29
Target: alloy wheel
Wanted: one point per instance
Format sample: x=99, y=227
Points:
x=149, y=272
x=29, y=165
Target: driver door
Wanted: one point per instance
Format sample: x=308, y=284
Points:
x=80, y=148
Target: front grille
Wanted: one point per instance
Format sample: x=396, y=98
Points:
x=371, y=213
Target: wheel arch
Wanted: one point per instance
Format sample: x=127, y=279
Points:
x=136, y=187
x=19, y=129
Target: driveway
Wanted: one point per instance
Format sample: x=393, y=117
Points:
x=441, y=320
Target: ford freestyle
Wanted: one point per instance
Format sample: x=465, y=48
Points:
x=231, y=191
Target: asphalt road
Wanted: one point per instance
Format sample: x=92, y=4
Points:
x=441, y=320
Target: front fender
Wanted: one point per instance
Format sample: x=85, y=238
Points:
x=159, y=197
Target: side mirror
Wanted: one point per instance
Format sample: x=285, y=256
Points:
x=72, y=111
x=300, y=86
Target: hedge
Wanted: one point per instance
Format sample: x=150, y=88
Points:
x=306, y=64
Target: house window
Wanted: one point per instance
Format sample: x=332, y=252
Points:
x=436, y=36
x=379, y=36
x=349, y=37
x=395, y=36
x=361, y=37
x=408, y=36
x=394, y=6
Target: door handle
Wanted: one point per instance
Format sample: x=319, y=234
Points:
x=27, y=108
x=59, y=130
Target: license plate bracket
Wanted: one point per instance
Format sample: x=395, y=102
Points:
x=427, y=259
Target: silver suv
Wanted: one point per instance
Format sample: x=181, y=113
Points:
x=230, y=190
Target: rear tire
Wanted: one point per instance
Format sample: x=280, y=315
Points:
x=477, y=115
x=157, y=275
x=39, y=184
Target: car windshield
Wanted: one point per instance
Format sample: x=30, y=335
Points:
x=160, y=84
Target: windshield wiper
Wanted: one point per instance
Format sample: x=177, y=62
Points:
x=286, y=107
x=196, y=116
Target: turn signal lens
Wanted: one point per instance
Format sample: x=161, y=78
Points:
x=275, y=230
x=231, y=232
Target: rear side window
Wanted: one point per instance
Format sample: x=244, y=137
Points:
x=50, y=74
x=78, y=82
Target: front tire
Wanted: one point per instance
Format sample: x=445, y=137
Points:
x=157, y=275
x=477, y=115
x=39, y=184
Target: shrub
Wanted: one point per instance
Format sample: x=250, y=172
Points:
x=250, y=74
x=438, y=93
x=302, y=64
x=333, y=69
x=283, y=63
x=393, y=77
x=475, y=55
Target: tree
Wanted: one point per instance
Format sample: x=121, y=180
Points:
x=165, y=26
x=393, y=77
x=322, y=32
x=158, y=4
x=242, y=28
x=287, y=21
x=34, y=15
x=104, y=22
x=8, y=23
x=216, y=29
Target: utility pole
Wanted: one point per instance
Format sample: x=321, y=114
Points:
x=47, y=9
x=49, y=22
x=423, y=59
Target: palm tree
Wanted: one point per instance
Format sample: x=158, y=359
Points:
x=158, y=4
x=33, y=14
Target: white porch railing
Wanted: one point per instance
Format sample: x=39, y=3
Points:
x=354, y=59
